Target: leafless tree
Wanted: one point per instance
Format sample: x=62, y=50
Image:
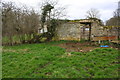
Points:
x=19, y=22
x=92, y=13
x=115, y=20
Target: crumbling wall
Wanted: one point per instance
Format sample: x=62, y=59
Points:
x=74, y=31
x=69, y=31
x=98, y=30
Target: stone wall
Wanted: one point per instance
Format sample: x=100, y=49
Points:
x=74, y=31
x=69, y=31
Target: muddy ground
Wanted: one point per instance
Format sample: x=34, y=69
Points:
x=80, y=47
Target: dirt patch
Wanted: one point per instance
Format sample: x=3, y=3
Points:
x=24, y=50
x=9, y=50
x=78, y=47
x=16, y=51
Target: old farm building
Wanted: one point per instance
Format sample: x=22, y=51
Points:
x=83, y=29
x=87, y=29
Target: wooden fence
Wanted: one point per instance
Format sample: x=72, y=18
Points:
x=105, y=38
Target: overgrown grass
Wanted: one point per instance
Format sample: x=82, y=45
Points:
x=47, y=61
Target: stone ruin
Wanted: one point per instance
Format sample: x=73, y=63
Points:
x=85, y=29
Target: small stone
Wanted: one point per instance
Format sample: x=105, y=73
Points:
x=90, y=50
x=69, y=54
x=81, y=50
x=116, y=48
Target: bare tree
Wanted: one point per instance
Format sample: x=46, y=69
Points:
x=8, y=20
x=92, y=13
x=115, y=20
x=19, y=22
x=116, y=13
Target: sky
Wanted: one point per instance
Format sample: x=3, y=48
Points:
x=76, y=9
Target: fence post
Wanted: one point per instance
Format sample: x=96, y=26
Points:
x=99, y=41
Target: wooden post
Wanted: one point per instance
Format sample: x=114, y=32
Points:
x=89, y=31
x=84, y=32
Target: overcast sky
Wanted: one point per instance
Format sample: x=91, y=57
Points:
x=76, y=9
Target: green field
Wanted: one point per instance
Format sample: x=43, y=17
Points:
x=47, y=61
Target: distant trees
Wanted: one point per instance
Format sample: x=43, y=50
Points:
x=92, y=13
x=21, y=24
x=18, y=24
x=115, y=21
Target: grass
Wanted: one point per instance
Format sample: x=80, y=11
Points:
x=47, y=61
